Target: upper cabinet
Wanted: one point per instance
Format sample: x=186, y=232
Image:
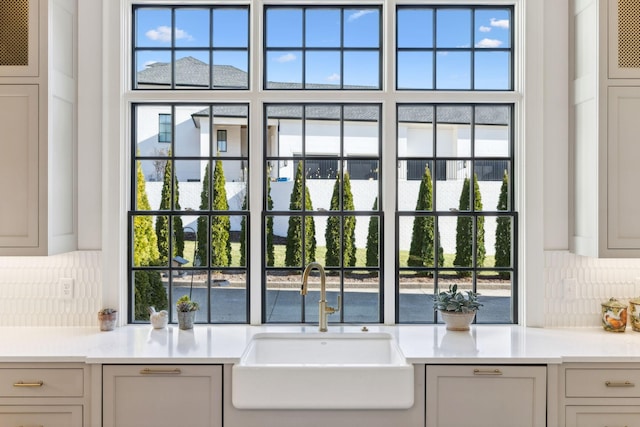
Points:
x=19, y=32
x=38, y=122
x=623, y=46
x=605, y=94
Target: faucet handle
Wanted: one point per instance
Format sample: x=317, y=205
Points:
x=336, y=309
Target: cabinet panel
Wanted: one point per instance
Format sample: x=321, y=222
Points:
x=19, y=34
x=49, y=416
x=599, y=416
x=486, y=396
x=41, y=382
x=624, y=49
x=19, y=165
x=602, y=382
x=623, y=152
x=162, y=395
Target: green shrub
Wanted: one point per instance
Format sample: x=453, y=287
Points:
x=373, y=248
x=220, y=224
x=421, y=250
x=464, y=229
x=503, y=229
x=340, y=236
x=295, y=237
x=162, y=221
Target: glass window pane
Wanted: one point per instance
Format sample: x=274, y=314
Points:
x=322, y=27
x=496, y=296
x=492, y=137
x=322, y=70
x=361, y=70
x=361, y=302
x=230, y=69
x=192, y=69
x=415, y=297
x=453, y=129
x=415, y=28
x=492, y=70
x=153, y=69
x=153, y=27
x=284, y=27
x=453, y=70
x=192, y=27
x=230, y=27
x=362, y=27
x=415, y=70
x=150, y=289
x=228, y=297
x=284, y=70
x=453, y=28
x=493, y=28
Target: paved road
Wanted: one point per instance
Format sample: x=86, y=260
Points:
x=228, y=305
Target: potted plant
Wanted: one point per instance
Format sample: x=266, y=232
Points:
x=456, y=310
x=107, y=318
x=186, y=309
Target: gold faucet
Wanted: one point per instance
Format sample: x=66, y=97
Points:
x=323, y=308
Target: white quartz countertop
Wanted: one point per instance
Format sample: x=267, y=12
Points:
x=487, y=344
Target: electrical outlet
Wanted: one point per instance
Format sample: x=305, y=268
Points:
x=570, y=288
x=66, y=288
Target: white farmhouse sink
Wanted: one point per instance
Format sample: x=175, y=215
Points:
x=322, y=371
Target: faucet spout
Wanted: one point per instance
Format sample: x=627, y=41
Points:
x=323, y=308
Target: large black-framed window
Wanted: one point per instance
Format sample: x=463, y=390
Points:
x=194, y=47
x=331, y=219
x=189, y=217
x=165, y=128
x=323, y=47
x=454, y=47
x=461, y=229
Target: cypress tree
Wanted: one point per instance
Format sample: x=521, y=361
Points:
x=464, y=229
x=220, y=224
x=162, y=221
x=149, y=289
x=269, y=228
x=373, y=259
x=203, y=221
x=295, y=236
x=421, y=250
x=243, y=234
x=332, y=232
x=349, y=224
x=503, y=229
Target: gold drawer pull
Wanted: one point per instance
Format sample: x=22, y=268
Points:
x=149, y=371
x=619, y=384
x=487, y=372
x=39, y=425
x=23, y=384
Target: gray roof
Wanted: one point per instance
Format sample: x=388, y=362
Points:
x=192, y=72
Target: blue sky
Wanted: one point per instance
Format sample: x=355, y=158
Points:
x=358, y=29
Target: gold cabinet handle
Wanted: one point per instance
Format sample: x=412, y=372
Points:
x=619, y=384
x=39, y=425
x=487, y=372
x=33, y=384
x=150, y=371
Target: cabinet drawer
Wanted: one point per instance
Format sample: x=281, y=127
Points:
x=49, y=416
x=598, y=416
x=37, y=382
x=602, y=383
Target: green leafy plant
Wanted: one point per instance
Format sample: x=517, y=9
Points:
x=186, y=304
x=455, y=301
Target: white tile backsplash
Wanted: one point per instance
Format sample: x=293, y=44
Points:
x=597, y=281
x=30, y=293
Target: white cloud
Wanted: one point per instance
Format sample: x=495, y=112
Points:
x=163, y=34
x=359, y=14
x=288, y=57
x=484, y=29
x=489, y=43
x=500, y=23
x=334, y=77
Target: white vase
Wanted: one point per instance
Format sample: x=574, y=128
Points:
x=457, y=321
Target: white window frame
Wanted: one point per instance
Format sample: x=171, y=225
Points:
x=118, y=96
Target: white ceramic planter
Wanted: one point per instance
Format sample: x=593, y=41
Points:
x=457, y=321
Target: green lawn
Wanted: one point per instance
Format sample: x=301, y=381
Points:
x=280, y=250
